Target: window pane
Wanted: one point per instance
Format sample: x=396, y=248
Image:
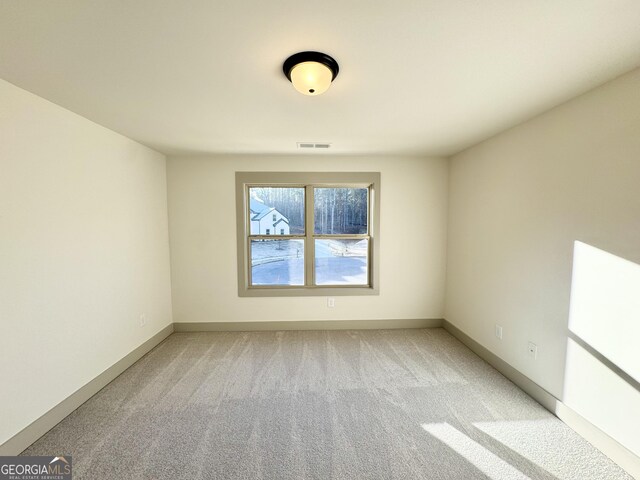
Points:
x=277, y=262
x=340, y=210
x=276, y=209
x=341, y=262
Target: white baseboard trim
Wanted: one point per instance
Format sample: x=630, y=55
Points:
x=599, y=439
x=305, y=325
x=28, y=435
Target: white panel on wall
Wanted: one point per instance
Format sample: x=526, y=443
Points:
x=603, y=358
x=605, y=305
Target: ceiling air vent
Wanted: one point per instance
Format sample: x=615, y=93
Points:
x=313, y=146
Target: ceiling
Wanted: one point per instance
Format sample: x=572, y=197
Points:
x=428, y=77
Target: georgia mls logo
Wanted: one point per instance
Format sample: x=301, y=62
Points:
x=59, y=459
x=35, y=468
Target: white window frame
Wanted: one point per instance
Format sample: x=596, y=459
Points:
x=308, y=180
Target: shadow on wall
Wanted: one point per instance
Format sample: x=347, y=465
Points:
x=601, y=383
x=602, y=369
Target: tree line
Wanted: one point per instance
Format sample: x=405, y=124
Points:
x=336, y=210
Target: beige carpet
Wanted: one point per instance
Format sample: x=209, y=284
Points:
x=387, y=404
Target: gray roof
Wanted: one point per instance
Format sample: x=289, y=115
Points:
x=258, y=209
x=257, y=206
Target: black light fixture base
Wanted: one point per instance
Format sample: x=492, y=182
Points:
x=318, y=57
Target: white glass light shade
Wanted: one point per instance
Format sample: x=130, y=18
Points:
x=311, y=78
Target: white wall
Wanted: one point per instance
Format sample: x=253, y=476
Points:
x=83, y=252
x=202, y=223
x=518, y=202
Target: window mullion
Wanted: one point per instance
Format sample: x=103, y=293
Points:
x=309, y=247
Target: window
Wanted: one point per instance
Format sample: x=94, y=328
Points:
x=328, y=233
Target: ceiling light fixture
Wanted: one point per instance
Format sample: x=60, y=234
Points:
x=310, y=72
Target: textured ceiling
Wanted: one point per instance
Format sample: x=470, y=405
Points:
x=416, y=77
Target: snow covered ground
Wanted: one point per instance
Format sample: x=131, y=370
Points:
x=338, y=262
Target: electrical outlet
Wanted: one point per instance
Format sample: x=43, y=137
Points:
x=533, y=350
x=331, y=302
x=143, y=319
x=498, y=332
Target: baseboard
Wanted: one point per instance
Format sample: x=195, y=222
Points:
x=610, y=447
x=534, y=390
x=23, y=439
x=306, y=325
x=599, y=439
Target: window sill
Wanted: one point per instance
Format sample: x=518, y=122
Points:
x=352, y=291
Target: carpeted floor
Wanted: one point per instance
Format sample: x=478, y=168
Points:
x=388, y=404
